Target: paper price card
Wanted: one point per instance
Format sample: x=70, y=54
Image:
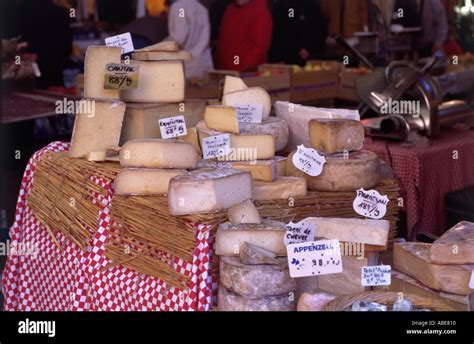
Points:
x=123, y=41
x=299, y=232
x=249, y=113
x=370, y=204
x=309, y=161
x=314, y=258
x=376, y=275
x=172, y=127
x=216, y=146
x=121, y=76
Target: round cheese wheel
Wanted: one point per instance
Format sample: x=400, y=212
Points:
x=360, y=170
x=229, y=301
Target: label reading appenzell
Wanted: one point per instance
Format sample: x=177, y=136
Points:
x=121, y=76
x=172, y=127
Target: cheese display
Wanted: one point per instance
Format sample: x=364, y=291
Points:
x=413, y=259
x=255, y=281
x=208, y=190
x=229, y=301
x=250, y=96
x=281, y=165
x=221, y=118
x=456, y=246
x=280, y=188
x=360, y=170
x=143, y=181
x=161, y=55
x=373, y=232
x=251, y=254
x=159, y=81
x=232, y=84
x=159, y=154
x=262, y=170
x=106, y=119
x=244, y=212
x=267, y=235
x=96, y=59
x=250, y=147
x=336, y=135
x=192, y=138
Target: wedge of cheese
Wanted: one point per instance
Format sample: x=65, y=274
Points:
x=233, y=84
x=162, y=46
x=250, y=96
x=159, y=81
x=360, y=170
x=263, y=170
x=208, y=190
x=244, y=212
x=336, y=135
x=97, y=127
x=456, y=246
x=144, y=181
x=228, y=301
x=280, y=188
x=159, y=154
x=97, y=57
x=193, y=138
x=162, y=55
x=251, y=147
x=221, y=118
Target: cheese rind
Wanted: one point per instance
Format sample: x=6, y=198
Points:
x=162, y=46
x=99, y=130
x=158, y=154
x=373, y=232
x=255, y=281
x=162, y=55
x=252, y=95
x=221, y=118
x=97, y=57
x=159, y=81
x=336, y=135
x=268, y=235
x=264, y=170
x=244, y=212
x=142, y=181
x=232, y=84
x=281, y=165
x=251, y=254
x=456, y=246
x=208, y=190
x=280, y=188
x=360, y=170
x=229, y=301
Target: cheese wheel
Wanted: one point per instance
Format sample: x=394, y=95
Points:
x=232, y=84
x=264, y=170
x=336, y=135
x=280, y=188
x=159, y=81
x=221, y=118
x=143, y=181
x=158, y=154
x=252, y=95
x=97, y=57
x=229, y=301
x=281, y=165
x=255, y=281
x=360, y=170
x=161, y=55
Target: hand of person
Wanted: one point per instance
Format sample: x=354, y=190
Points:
x=304, y=54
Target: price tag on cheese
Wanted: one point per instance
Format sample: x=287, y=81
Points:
x=314, y=258
x=370, y=204
x=309, y=161
x=299, y=232
x=172, y=127
x=121, y=76
x=216, y=146
x=471, y=282
x=249, y=113
x=376, y=275
x=123, y=41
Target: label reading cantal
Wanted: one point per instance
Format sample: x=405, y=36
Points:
x=376, y=275
x=249, y=113
x=309, y=161
x=370, y=203
x=172, y=127
x=216, y=146
x=121, y=76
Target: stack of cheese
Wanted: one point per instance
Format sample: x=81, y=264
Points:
x=253, y=145
x=445, y=266
x=347, y=167
x=253, y=269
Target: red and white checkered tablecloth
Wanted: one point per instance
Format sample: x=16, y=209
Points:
x=427, y=174
x=52, y=278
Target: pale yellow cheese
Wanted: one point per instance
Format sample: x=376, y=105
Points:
x=221, y=118
x=280, y=188
x=144, y=181
x=263, y=170
x=244, y=212
x=159, y=154
x=159, y=81
x=97, y=57
x=232, y=84
x=192, y=137
x=281, y=165
x=162, y=55
x=252, y=95
x=251, y=147
x=336, y=135
x=171, y=46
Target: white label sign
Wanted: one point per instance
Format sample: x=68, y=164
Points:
x=309, y=161
x=172, y=127
x=123, y=41
x=314, y=258
x=299, y=232
x=370, y=204
x=249, y=113
x=471, y=282
x=216, y=146
x=376, y=275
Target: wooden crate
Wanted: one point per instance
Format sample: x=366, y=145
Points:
x=347, y=84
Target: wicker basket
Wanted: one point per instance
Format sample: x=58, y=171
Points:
x=344, y=302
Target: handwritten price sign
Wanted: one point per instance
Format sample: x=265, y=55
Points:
x=216, y=146
x=172, y=127
x=299, y=232
x=309, y=161
x=376, y=275
x=370, y=204
x=121, y=76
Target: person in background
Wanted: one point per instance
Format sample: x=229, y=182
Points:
x=300, y=32
x=346, y=16
x=245, y=35
x=189, y=26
